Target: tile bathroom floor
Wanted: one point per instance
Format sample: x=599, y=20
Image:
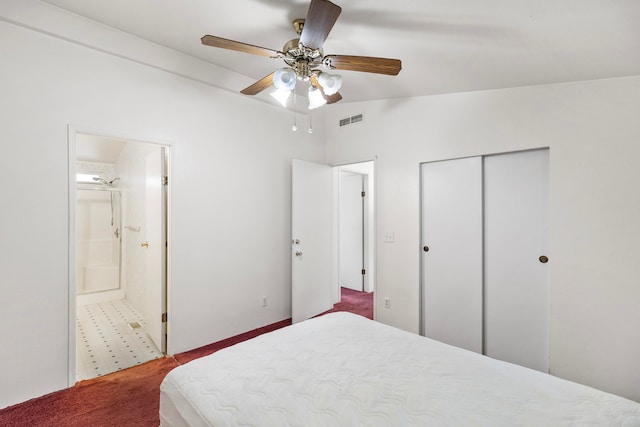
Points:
x=105, y=341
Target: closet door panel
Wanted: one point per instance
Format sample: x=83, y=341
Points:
x=452, y=266
x=516, y=282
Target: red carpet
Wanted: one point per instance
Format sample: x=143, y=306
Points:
x=132, y=397
x=355, y=302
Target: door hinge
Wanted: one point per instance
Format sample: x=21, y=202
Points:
x=363, y=194
x=364, y=271
x=165, y=180
x=164, y=317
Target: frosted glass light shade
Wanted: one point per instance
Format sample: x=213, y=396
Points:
x=281, y=95
x=331, y=83
x=315, y=98
x=284, y=78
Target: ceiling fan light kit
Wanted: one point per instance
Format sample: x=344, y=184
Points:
x=303, y=57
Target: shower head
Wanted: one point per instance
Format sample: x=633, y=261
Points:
x=103, y=181
x=100, y=180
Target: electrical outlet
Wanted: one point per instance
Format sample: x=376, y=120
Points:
x=387, y=303
x=264, y=301
x=389, y=237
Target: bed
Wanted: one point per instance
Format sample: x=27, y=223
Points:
x=345, y=370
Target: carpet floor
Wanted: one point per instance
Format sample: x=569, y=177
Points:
x=355, y=302
x=131, y=397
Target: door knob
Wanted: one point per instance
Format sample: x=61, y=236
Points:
x=144, y=244
x=298, y=253
x=425, y=248
x=543, y=259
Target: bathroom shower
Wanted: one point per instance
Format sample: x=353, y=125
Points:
x=99, y=243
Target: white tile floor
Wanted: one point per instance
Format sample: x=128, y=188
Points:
x=105, y=341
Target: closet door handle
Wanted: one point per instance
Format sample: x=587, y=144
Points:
x=425, y=248
x=543, y=259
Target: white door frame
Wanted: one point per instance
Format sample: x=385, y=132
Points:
x=72, y=159
x=369, y=229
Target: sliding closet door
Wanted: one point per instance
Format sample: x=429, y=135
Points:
x=516, y=278
x=452, y=252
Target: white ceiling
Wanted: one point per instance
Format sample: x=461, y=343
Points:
x=92, y=148
x=445, y=46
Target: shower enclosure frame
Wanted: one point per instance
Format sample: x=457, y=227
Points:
x=167, y=146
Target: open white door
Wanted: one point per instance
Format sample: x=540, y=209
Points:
x=156, y=250
x=311, y=239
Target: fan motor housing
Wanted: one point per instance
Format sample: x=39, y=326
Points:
x=301, y=58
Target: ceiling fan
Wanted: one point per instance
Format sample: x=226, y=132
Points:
x=303, y=56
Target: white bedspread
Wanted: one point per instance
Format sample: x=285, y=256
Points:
x=344, y=370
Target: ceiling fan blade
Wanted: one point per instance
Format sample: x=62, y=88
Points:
x=367, y=64
x=321, y=16
x=238, y=46
x=331, y=99
x=259, y=86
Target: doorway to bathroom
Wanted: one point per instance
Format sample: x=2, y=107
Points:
x=118, y=264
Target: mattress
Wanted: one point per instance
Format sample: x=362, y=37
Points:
x=345, y=370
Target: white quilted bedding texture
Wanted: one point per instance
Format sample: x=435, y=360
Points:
x=344, y=370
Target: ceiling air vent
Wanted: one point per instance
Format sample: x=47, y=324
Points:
x=350, y=120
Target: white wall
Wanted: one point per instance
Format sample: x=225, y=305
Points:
x=593, y=132
x=231, y=197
